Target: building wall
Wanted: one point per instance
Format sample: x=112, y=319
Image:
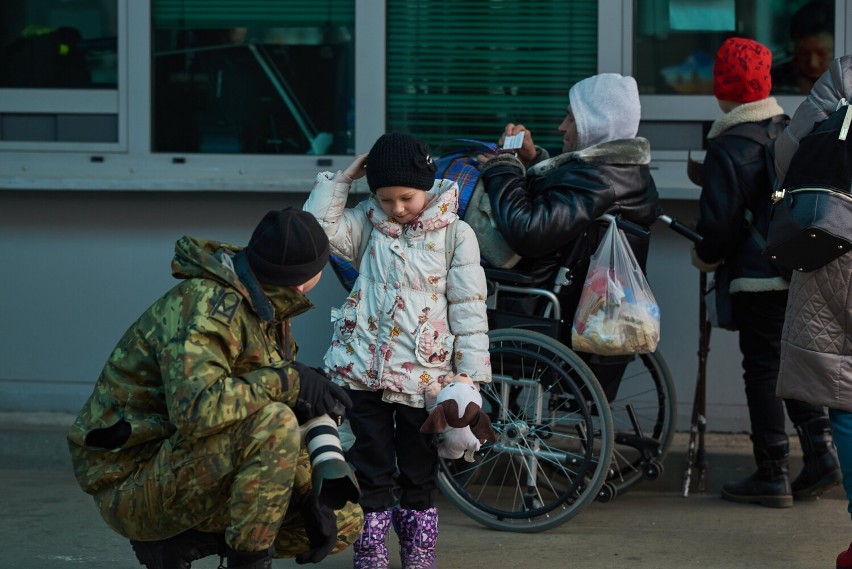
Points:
x=79, y=267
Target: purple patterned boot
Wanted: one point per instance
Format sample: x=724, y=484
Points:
x=418, y=535
x=371, y=551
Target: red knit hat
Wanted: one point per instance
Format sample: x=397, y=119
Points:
x=741, y=72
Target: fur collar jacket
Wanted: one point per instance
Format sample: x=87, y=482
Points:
x=547, y=214
x=735, y=179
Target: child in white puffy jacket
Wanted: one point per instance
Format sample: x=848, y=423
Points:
x=415, y=316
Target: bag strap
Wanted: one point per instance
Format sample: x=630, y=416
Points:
x=766, y=137
x=366, y=230
x=450, y=242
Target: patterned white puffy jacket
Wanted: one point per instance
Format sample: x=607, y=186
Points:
x=410, y=319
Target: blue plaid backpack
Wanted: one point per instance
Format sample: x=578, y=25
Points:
x=459, y=165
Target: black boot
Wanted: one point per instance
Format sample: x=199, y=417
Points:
x=770, y=485
x=822, y=468
x=249, y=559
x=180, y=551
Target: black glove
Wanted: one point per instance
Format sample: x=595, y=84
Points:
x=321, y=525
x=318, y=395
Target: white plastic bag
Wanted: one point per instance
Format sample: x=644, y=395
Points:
x=617, y=314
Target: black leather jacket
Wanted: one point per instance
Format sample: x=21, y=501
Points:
x=547, y=214
x=736, y=178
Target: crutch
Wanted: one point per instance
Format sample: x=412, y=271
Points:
x=696, y=457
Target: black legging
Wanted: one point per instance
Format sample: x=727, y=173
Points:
x=393, y=460
x=760, y=318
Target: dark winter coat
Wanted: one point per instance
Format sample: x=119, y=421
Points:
x=736, y=178
x=547, y=214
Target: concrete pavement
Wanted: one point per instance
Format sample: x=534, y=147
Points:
x=49, y=523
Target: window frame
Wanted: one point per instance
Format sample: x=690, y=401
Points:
x=129, y=164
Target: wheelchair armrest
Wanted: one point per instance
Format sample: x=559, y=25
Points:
x=506, y=276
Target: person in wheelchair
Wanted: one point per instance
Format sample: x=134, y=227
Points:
x=546, y=207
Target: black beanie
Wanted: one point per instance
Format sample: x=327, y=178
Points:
x=288, y=247
x=398, y=159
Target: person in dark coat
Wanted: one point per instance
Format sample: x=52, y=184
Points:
x=546, y=207
x=734, y=217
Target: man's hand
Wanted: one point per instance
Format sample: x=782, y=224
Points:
x=526, y=153
x=321, y=526
x=318, y=395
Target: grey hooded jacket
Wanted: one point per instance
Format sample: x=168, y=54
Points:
x=816, y=345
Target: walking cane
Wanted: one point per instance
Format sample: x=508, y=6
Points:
x=696, y=457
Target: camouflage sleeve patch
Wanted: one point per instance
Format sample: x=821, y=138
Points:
x=226, y=306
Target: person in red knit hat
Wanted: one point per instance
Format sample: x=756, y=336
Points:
x=734, y=212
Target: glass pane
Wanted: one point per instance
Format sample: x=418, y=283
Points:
x=675, y=41
x=58, y=44
x=253, y=76
x=463, y=69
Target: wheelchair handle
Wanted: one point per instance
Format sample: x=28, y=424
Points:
x=681, y=228
x=626, y=225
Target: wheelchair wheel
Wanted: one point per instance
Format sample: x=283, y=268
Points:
x=643, y=414
x=554, y=438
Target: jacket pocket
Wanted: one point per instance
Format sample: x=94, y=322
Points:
x=434, y=344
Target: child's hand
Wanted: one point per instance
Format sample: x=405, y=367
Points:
x=356, y=169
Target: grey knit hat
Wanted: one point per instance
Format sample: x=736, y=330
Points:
x=398, y=159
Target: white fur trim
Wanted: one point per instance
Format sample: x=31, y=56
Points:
x=747, y=112
x=758, y=284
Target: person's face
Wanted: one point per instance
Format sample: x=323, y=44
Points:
x=308, y=286
x=568, y=128
x=402, y=203
x=813, y=54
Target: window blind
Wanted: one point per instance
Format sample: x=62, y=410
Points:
x=216, y=14
x=464, y=68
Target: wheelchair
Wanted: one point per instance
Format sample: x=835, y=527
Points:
x=561, y=442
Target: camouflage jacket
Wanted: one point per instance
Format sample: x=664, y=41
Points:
x=201, y=358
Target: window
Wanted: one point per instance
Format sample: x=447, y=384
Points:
x=59, y=71
x=58, y=44
x=462, y=69
x=253, y=76
x=676, y=41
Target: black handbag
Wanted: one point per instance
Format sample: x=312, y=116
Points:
x=810, y=223
x=809, y=228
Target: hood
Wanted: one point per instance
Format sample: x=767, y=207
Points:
x=605, y=107
x=201, y=259
x=441, y=210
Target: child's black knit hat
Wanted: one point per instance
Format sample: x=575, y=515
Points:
x=398, y=159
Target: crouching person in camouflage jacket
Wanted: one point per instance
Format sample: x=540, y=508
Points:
x=190, y=442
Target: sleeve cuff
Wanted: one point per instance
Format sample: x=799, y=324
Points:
x=702, y=265
x=503, y=159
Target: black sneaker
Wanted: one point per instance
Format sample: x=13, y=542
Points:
x=180, y=551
